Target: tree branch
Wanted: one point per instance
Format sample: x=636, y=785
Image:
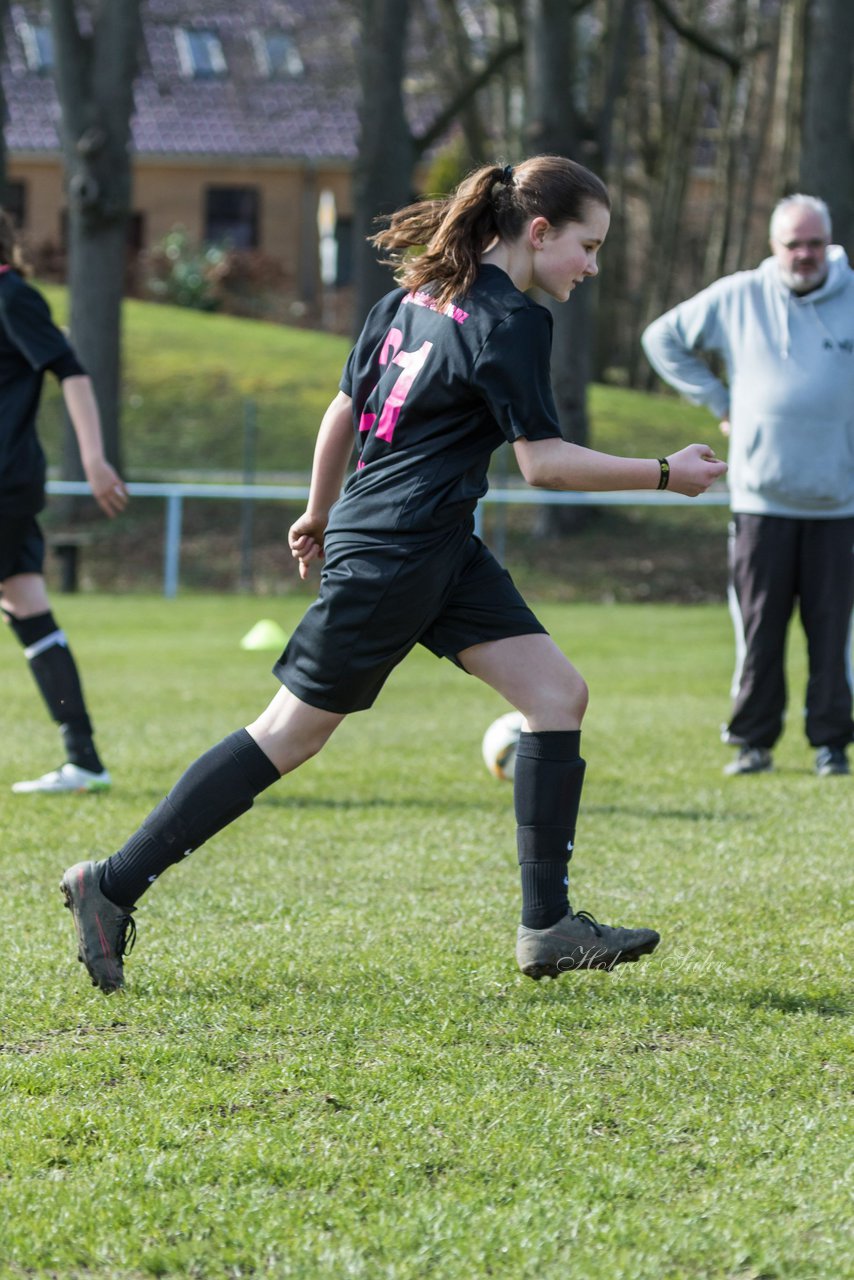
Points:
x=449, y=113
x=705, y=43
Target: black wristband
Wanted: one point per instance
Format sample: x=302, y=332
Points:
x=664, y=478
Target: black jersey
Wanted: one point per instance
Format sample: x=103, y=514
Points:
x=434, y=393
x=29, y=343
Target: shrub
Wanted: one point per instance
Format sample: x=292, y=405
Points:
x=183, y=274
x=212, y=277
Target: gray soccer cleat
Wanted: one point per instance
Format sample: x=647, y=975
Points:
x=105, y=932
x=831, y=761
x=750, y=760
x=579, y=942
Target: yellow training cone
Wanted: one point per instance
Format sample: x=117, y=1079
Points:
x=266, y=634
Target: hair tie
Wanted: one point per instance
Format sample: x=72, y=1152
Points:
x=507, y=175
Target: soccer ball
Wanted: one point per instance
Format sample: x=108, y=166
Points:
x=499, y=745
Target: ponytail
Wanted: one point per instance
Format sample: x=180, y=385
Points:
x=492, y=203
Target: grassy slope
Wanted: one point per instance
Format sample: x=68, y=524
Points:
x=326, y=1065
x=188, y=375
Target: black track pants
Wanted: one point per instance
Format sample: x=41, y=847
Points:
x=774, y=563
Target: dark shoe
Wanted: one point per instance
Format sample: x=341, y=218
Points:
x=750, y=760
x=105, y=932
x=579, y=942
x=830, y=761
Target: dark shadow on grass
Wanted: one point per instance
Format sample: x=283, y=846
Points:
x=428, y=803
x=628, y=981
x=415, y=801
x=654, y=815
x=287, y=800
x=789, y=1002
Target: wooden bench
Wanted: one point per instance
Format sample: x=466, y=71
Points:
x=66, y=546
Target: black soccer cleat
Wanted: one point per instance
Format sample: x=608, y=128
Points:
x=578, y=941
x=105, y=932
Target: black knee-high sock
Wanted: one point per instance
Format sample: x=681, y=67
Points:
x=55, y=673
x=215, y=790
x=547, y=784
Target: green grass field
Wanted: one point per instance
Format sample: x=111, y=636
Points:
x=326, y=1065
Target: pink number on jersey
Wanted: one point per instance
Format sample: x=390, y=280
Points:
x=411, y=362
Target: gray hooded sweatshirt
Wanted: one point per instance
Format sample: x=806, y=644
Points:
x=790, y=369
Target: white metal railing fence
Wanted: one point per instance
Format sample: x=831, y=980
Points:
x=174, y=493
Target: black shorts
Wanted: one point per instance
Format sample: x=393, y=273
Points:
x=21, y=546
x=377, y=600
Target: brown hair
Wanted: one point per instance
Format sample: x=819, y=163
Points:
x=493, y=202
x=11, y=254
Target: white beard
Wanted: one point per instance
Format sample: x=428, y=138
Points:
x=803, y=283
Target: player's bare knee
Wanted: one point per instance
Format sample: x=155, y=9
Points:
x=559, y=704
x=576, y=697
x=569, y=698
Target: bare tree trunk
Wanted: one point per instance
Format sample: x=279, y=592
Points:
x=613, y=150
x=758, y=162
x=95, y=70
x=786, y=128
x=383, y=175
x=460, y=55
x=387, y=150
x=4, y=110
x=826, y=151
x=507, y=115
x=725, y=160
x=612, y=350
x=667, y=200
x=619, y=22
x=553, y=129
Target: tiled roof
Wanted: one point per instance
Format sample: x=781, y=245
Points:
x=309, y=116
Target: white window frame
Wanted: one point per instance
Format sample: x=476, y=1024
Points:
x=29, y=33
x=292, y=66
x=184, y=38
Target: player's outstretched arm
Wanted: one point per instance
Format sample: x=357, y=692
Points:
x=106, y=484
x=331, y=455
x=559, y=464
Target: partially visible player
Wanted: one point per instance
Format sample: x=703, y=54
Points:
x=31, y=344
x=447, y=368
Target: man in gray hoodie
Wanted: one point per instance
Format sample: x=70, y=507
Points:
x=785, y=333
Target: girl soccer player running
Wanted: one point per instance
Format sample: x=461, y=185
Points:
x=447, y=367
x=31, y=344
